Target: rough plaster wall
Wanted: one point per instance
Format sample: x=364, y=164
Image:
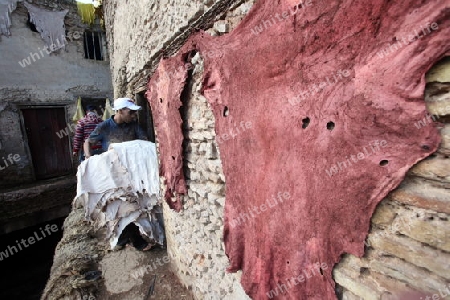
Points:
x=50, y=79
x=12, y=142
x=148, y=27
x=161, y=18
x=392, y=259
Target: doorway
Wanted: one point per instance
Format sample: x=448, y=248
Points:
x=50, y=153
x=145, y=117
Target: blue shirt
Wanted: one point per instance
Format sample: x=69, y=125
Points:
x=109, y=132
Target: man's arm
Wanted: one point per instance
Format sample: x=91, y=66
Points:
x=87, y=148
x=94, y=137
x=78, y=138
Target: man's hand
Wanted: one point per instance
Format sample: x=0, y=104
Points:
x=87, y=149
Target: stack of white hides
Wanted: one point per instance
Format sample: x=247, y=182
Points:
x=121, y=186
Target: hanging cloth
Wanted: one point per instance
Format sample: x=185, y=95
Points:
x=50, y=25
x=87, y=12
x=79, y=113
x=6, y=8
x=108, y=111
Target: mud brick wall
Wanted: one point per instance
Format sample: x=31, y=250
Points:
x=408, y=245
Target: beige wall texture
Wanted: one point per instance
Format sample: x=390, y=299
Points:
x=408, y=245
x=139, y=30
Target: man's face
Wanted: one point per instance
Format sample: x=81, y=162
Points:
x=129, y=115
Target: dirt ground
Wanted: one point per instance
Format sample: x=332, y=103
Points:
x=128, y=274
x=125, y=274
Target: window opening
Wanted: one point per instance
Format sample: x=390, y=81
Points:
x=93, y=45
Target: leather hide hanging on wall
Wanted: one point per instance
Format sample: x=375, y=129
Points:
x=50, y=25
x=6, y=8
x=331, y=91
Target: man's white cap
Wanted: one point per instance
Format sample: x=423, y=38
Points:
x=120, y=103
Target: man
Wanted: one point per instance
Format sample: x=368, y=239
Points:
x=84, y=128
x=121, y=127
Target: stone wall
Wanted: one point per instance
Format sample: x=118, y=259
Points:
x=55, y=79
x=36, y=203
x=151, y=30
x=407, y=248
x=162, y=20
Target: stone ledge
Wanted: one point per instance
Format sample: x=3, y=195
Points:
x=36, y=203
x=423, y=195
x=440, y=72
x=416, y=253
x=393, y=268
x=364, y=280
x=347, y=295
x=437, y=98
x=356, y=287
x=434, y=168
x=444, y=148
x=392, y=218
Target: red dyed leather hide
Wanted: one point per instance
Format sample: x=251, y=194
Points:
x=331, y=128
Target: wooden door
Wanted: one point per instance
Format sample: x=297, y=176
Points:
x=50, y=153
